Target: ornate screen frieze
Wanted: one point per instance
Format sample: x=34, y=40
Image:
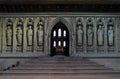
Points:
x=96, y=34
x=19, y=33
x=93, y=34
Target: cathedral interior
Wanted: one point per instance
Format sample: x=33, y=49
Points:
x=54, y=39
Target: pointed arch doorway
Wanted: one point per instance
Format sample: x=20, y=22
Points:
x=60, y=40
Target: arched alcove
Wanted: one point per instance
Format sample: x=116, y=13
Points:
x=53, y=24
x=59, y=40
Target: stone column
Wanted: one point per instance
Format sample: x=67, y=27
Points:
x=116, y=22
x=24, y=34
x=14, y=35
x=73, y=39
x=84, y=37
x=48, y=36
x=105, y=22
x=35, y=37
x=45, y=35
x=95, y=35
x=4, y=20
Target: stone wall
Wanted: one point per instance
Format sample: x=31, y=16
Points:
x=28, y=35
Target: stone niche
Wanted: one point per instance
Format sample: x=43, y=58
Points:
x=90, y=35
x=20, y=34
x=96, y=35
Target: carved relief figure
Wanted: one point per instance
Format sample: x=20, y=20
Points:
x=100, y=34
x=80, y=35
x=110, y=36
x=9, y=35
x=29, y=35
x=89, y=35
x=19, y=36
x=40, y=34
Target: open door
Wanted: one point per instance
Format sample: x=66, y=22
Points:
x=60, y=40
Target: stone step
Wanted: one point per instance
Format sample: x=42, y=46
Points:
x=61, y=72
x=49, y=61
x=96, y=68
x=55, y=64
x=36, y=61
x=58, y=76
x=58, y=67
x=63, y=63
x=73, y=70
x=73, y=67
x=60, y=59
x=55, y=68
x=61, y=66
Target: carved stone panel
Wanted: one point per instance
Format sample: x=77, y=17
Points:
x=19, y=34
x=100, y=33
x=89, y=33
x=110, y=33
x=40, y=28
x=9, y=34
x=80, y=33
x=40, y=34
x=29, y=34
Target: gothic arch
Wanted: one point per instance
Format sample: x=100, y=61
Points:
x=51, y=25
x=59, y=19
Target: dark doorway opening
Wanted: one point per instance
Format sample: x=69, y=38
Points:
x=60, y=40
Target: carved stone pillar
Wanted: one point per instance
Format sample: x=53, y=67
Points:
x=73, y=41
x=14, y=35
x=105, y=35
x=84, y=37
x=35, y=37
x=45, y=35
x=47, y=43
x=4, y=20
x=95, y=34
x=24, y=34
